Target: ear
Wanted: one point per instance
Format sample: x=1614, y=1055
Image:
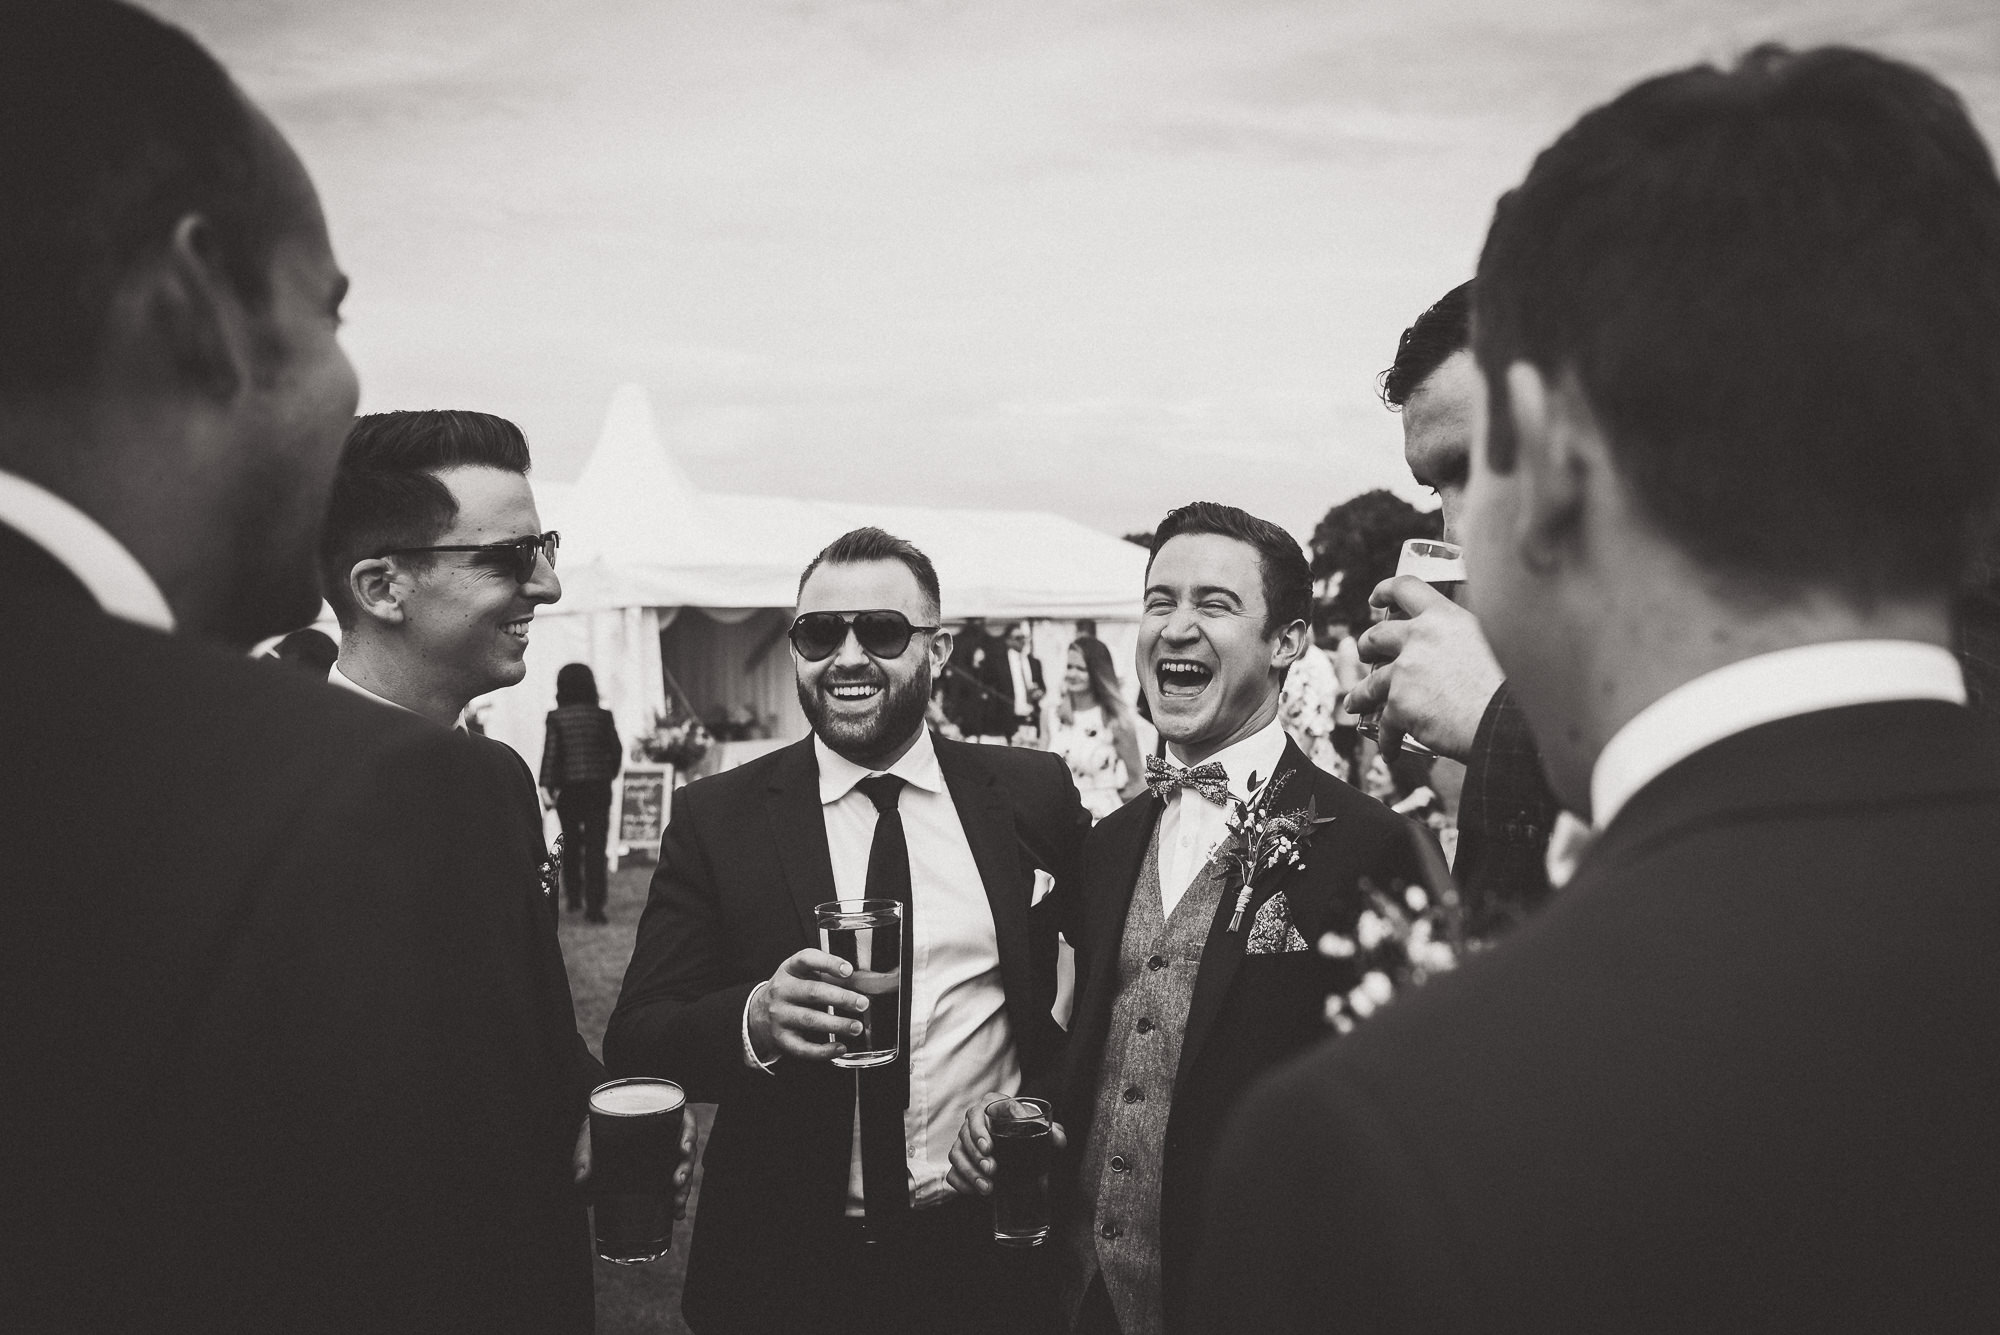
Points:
x=378, y=588
x=1292, y=642
x=196, y=313
x=1559, y=452
x=940, y=654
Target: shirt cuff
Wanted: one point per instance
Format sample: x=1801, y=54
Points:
x=750, y=1057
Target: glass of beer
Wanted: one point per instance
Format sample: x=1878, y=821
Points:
x=635, y=1147
x=1023, y=1147
x=1440, y=565
x=868, y=934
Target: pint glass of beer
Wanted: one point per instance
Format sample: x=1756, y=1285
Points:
x=1442, y=566
x=868, y=934
x=635, y=1146
x=1023, y=1147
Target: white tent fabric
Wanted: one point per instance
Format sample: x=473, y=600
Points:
x=640, y=542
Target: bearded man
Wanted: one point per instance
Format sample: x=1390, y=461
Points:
x=825, y=1204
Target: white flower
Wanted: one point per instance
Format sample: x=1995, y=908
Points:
x=1378, y=987
x=1371, y=929
x=1416, y=899
x=1337, y=946
x=1361, y=1003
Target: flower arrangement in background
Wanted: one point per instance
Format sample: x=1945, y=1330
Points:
x=676, y=738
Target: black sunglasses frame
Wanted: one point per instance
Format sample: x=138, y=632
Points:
x=850, y=622
x=526, y=552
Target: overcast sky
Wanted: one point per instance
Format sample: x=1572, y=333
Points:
x=1093, y=257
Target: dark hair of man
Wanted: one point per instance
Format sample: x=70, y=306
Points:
x=1444, y=328
x=576, y=684
x=1288, y=578
x=1779, y=290
x=872, y=544
x=113, y=127
x=386, y=493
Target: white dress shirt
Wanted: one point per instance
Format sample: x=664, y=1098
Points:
x=1760, y=690
x=960, y=1042
x=1192, y=826
x=1017, y=663
x=110, y=573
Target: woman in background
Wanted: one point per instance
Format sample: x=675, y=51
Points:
x=1094, y=730
x=580, y=758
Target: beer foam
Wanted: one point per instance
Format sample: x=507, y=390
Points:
x=1431, y=562
x=637, y=1098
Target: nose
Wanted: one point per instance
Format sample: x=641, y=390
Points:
x=544, y=586
x=850, y=653
x=1180, y=627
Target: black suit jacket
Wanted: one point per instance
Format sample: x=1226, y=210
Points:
x=1740, y=1074
x=1248, y=1012
x=286, y=1042
x=741, y=866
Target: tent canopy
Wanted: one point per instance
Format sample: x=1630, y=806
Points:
x=637, y=533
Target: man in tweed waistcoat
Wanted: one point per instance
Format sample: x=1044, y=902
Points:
x=1187, y=989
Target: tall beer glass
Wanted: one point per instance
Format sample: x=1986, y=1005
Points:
x=868, y=934
x=635, y=1148
x=1023, y=1148
x=1442, y=566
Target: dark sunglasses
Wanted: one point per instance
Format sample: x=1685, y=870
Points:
x=883, y=634
x=517, y=556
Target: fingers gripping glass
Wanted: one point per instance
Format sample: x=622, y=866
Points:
x=518, y=555
x=883, y=634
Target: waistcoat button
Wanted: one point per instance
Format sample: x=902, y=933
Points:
x=1157, y=962
x=1145, y=1025
x=1118, y=1164
x=1133, y=1094
x=1109, y=1230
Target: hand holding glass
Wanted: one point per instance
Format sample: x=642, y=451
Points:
x=1440, y=565
x=1023, y=1135
x=868, y=934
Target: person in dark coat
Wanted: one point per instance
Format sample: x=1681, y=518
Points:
x=284, y=1044
x=1740, y=331
x=581, y=755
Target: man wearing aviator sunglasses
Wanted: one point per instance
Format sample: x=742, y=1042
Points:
x=831, y=1171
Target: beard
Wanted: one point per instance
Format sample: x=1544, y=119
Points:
x=898, y=713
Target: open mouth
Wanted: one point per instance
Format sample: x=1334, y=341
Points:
x=518, y=628
x=1182, y=677
x=854, y=692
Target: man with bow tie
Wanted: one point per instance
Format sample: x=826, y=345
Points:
x=1190, y=983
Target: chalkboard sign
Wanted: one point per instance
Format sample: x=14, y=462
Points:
x=647, y=793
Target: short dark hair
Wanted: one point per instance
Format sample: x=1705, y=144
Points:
x=576, y=684
x=113, y=127
x=1288, y=580
x=386, y=493
x=1444, y=328
x=873, y=544
x=1779, y=289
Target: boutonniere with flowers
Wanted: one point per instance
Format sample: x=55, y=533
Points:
x=1260, y=838
x=551, y=869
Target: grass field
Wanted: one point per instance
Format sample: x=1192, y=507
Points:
x=645, y=1298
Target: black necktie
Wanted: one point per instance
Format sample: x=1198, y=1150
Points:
x=885, y=1089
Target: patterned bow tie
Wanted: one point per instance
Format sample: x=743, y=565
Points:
x=1208, y=779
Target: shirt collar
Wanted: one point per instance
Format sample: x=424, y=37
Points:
x=838, y=775
x=99, y=561
x=338, y=678
x=1257, y=754
x=1759, y=690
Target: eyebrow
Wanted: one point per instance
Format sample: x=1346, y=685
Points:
x=1201, y=591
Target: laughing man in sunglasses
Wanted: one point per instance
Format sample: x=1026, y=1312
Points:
x=825, y=1205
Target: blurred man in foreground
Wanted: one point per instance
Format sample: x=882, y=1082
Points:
x=1741, y=332
x=266, y=1068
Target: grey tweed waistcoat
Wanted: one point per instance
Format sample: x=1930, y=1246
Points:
x=1123, y=1155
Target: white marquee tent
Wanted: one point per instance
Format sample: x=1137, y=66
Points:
x=644, y=552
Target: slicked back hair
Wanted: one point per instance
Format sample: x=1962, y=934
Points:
x=873, y=544
x=113, y=127
x=386, y=493
x=1444, y=328
x=1287, y=575
x=1778, y=288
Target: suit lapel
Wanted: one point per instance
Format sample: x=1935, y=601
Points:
x=988, y=820
x=1222, y=953
x=798, y=828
